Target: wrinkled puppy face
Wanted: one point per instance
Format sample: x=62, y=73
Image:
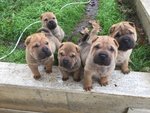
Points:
x=104, y=49
x=38, y=46
x=49, y=20
x=68, y=55
x=125, y=34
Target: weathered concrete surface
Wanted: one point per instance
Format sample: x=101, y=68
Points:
x=18, y=90
x=3, y=110
x=135, y=110
x=143, y=11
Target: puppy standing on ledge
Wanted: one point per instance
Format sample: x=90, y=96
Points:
x=69, y=61
x=39, y=50
x=126, y=36
x=100, y=60
x=98, y=55
x=49, y=22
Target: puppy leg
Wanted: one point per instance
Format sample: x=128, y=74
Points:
x=35, y=71
x=59, y=33
x=84, y=31
x=124, y=67
x=77, y=75
x=94, y=31
x=65, y=75
x=57, y=42
x=103, y=81
x=48, y=67
x=96, y=28
x=87, y=80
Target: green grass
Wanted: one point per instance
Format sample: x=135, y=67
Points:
x=17, y=14
x=108, y=14
x=18, y=56
x=141, y=58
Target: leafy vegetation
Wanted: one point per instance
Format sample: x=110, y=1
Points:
x=18, y=14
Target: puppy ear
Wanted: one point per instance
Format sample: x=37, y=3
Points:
x=77, y=48
x=94, y=39
x=132, y=24
x=61, y=45
x=112, y=28
x=48, y=34
x=27, y=41
x=116, y=43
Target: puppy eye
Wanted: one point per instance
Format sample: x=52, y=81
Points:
x=111, y=49
x=97, y=47
x=36, y=45
x=72, y=56
x=46, y=43
x=62, y=54
x=130, y=33
x=45, y=19
x=117, y=35
x=53, y=18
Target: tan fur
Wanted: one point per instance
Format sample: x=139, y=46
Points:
x=91, y=69
x=124, y=28
x=70, y=52
x=33, y=53
x=87, y=35
x=96, y=28
x=85, y=46
x=58, y=31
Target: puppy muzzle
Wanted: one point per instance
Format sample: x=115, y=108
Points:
x=45, y=52
x=51, y=25
x=126, y=42
x=66, y=63
x=102, y=59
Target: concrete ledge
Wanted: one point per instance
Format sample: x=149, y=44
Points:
x=136, y=110
x=18, y=90
x=2, y=110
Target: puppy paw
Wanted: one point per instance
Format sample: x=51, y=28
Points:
x=104, y=84
x=87, y=88
x=103, y=81
x=84, y=30
x=47, y=70
x=36, y=77
x=65, y=78
x=124, y=68
x=77, y=79
x=125, y=71
x=95, y=24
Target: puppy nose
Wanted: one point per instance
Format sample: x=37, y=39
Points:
x=126, y=40
x=51, y=22
x=46, y=51
x=65, y=61
x=103, y=56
